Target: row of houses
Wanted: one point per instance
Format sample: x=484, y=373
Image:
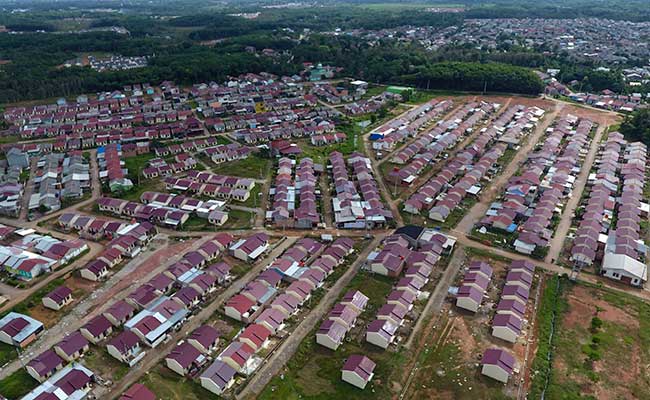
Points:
x=295, y=200
x=474, y=286
x=227, y=152
x=267, y=302
x=58, y=177
x=127, y=242
x=509, y=320
x=11, y=195
x=522, y=189
x=429, y=195
x=34, y=254
x=341, y=319
x=388, y=136
x=212, y=185
x=287, y=130
x=111, y=168
x=616, y=189
x=356, y=209
x=555, y=186
x=157, y=167
x=432, y=144
x=445, y=133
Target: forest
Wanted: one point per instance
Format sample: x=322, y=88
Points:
x=30, y=63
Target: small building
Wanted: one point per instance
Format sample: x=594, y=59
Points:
x=624, y=268
x=185, y=359
x=126, y=348
x=58, y=298
x=498, y=364
x=97, y=329
x=119, y=313
x=44, y=365
x=218, y=378
x=506, y=327
x=358, y=370
x=330, y=334
x=469, y=298
x=19, y=330
x=138, y=392
x=72, y=346
x=204, y=338
x=381, y=332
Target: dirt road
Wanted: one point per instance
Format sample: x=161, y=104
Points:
x=496, y=187
x=563, y=227
x=287, y=349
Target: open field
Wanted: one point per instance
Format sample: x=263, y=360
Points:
x=168, y=385
x=17, y=384
x=602, y=348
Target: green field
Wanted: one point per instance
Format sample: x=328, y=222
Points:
x=17, y=384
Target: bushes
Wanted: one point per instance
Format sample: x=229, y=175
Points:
x=551, y=308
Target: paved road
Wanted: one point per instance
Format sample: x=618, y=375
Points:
x=153, y=357
x=287, y=349
x=29, y=189
x=563, y=227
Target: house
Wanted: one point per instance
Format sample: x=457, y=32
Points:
x=272, y=319
x=356, y=300
x=97, y=329
x=58, y=298
x=381, y=332
x=251, y=248
x=497, y=364
x=138, y=392
x=125, y=348
x=241, y=308
x=44, y=365
x=506, y=327
x=153, y=324
x=286, y=303
x=72, y=346
x=218, y=377
x=71, y=382
x=624, y=268
x=330, y=334
x=187, y=297
x=344, y=315
x=239, y=356
x=392, y=312
x=256, y=336
x=119, y=313
x=358, y=370
x=95, y=270
x=18, y=329
x=469, y=298
x=204, y=338
x=185, y=359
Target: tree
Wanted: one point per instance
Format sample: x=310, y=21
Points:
x=636, y=127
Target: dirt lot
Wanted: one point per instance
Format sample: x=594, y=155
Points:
x=448, y=363
x=603, y=347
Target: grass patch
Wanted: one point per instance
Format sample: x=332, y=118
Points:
x=17, y=384
x=254, y=199
x=103, y=364
x=35, y=299
x=168, y=385
x=7, y=353
x=254, y=166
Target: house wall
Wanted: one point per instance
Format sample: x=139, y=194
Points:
x=504, y=334
x=325, y=340
x=51, y=304
x=175, y=366
x=353, y=379
x=467, y=304
x=377, y=340
x=495, y=372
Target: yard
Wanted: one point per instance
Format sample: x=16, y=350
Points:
x=104, y=365
x=602, y=345
x=314, y=372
